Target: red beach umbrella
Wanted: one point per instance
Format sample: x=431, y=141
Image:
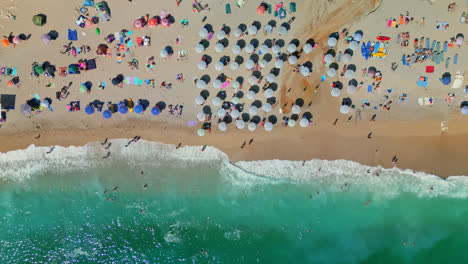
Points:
x=138, y=24
x=152, y=22
x=383, y=38
x=88, y=23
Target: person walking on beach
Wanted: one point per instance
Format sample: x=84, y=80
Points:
x=243, y=145
x=51, y=149
x=369, y=135
x=107, y=155
x=334, y=123
x=203, y=148
x=373, y=118
x=178, y=146
x=394, y=160
x=105, y=141
x=250, y=141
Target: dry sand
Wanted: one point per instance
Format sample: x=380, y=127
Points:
x=410, y=131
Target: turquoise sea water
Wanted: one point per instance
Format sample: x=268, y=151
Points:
x=199, y=208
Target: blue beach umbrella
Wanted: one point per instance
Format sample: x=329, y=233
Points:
x=89, y=109
x=155, y=110
x=138, y=109
x=107, y=114
x=123, y=109
x=446, y=78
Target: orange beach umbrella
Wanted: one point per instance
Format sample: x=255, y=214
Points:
x=261, y=9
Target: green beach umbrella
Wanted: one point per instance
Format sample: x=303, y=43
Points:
x=201, y=132
x=236, y=85
x=83, y=88
x=38, y=69
x=98, y=31
x=291, y=123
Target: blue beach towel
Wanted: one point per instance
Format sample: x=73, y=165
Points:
x=72, y=35
x=445, y=46
x=369, y=88
x=433, y=44
x=427, y=43
x=455, y=59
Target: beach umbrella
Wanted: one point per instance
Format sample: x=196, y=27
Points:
x=201, y=117
x=165, y=22
x=357, y=36
x=291, y=48
x=219, y=66
x=351, y=89
x=292, y=123
x=203, y=33
x=216, y=101
x=332, y=42
x=305, y=71
x=307, y=48
x=268, y=126
x=234, y=65
x=349, y=74
x=269, y=93
x=464, y=110
x=219, y=47
x=45, y=38
x=252, y=80
x=304, y=122
x=275, y=49
x=328, y=58
x=152, y=22
x=296, y=109
x=222, y=126
x=344, y=109
x=446, y=78
x=201, y=65
x=235, y=113
x=217, y=84
x=263, y=49
x=237, y=32
x=236, y=49
x=107, y=114
x=83, y=88
x=123, y=109
x=252, y=30
x=17, y=40
x=235, y=85
x=249, y=64
x=268, y=28
x=270, y=78
x=261, y=9
x=240, y=124
x=89, y=109
x=266, y=107
x=250, y=95
x=163, y=53
x=282, y=31
x=262, y=63
x=353, y=45
x=253, y=110
x=25, y=109
x=138, y=109
x=155, y=110
x=5, y=43
x=199, y=48
x=201, y=132
x=279, y=64
x=460, y=39
x=252, y=126
x=221, y=113
x=335, y=92
x=235, y=100
x=221, y=34
x=138, y=24
x=346, y=58
x=292, y=60
x=249, y=48
x=201, y=84
x=199, y=100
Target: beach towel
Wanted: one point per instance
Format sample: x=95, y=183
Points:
x=292, y=7
x=228, y=8
x=447, y=63
x=72, y=35
x=225, y=84
x=88, y=3
x=369, y=88
x=455, y=59
x=210, y=35
x=433, y=45
x=80, y=21
x=90, y=64
x=429, y=69
x=427, y=43
x=13, y=71
x=389, y=22
x=401, y=21
x=129, y=43
x=445, y=46
x=422, y=81
x=421, y=101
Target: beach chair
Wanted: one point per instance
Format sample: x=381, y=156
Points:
x=228, y=9
x=269, y=8
x=3, y=70
x=427, y=43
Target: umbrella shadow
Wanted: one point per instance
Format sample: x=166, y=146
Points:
x=257, y=74
x=271, y=100
x=161, y=105
x=240, y=79
x=97, y=103
x=255, y=88
x=225, y=42
x=296, y=42
x=205, y=94
x=268, y=57
x=275, y=71
x=334, y=65
x=311, y=41
x=245, y=117
x=338, y=85
x=254, y=57
x=239, y=59
x=226, y=29
x=53, y=34
x=206, y=78
x=272, y=23
x=205, y=43
x=464, y=103
x=331, y=52
x=207, y=110
x=283, y=56
x=280, y=43
x=272, y=119
x=349, y=51
x=144, y=103
x=209, y=27
x=299, y=102
x=257, y=24
x=242, y=27
x=351, y=67
x=254, y=42
x=268, y=43
x=308, y=115
x=221, y=95
x=273, y=86
x=308, y=64
x=257, y=103
x=294, y=117
x=241, y=43
x=240, y=94
x=256, y=119
x=221, y=77
x=207, y=58
x=22, y=36
x=286, y=25
x=353, y=82
x=335, y=35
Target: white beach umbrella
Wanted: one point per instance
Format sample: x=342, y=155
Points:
x=219, y=66
x=263, y=49
x=269, y=93
x=464, y=110
x=252, y=80
x=307, y=48
x=268, y=126
x=262, y=63
x=305, y=71
x=282, y=31
x=291, y=48
x=331, y=72
x=266, y=107
x=349, y=74
x=250, y=95
x=199, y=100
x=235, y=113
x=275, y=49
x=357, y=36
x=240, y=124
x=346, y=58
x=237, y=32
x=201, y=65
x=235, y=85
x=203, y=33
x=216, y=101
x=249, y=64
x=219, y=47
x=270, y=77
x=201, y=132
x=328, y=58
x=344, y=109
x=201, y=116
x=235, y=100
x=332, y=42
x=268, y=28
x=222, y=126
x=221, y=113
x=249, y=48
x=353, y=45
x=279, y=64
x=460, y=39
x=201, y=84
x=252, y=126
x=236, y=49
x=296, y=109
x=292, y=123
x=199, y=48
x=351, y=89
x=217, y=84
x=234, y=65
x=292, y=60
x=304, y=122
x=252, y=30
x=335, y=92
x=253, y=110
x=221, y=34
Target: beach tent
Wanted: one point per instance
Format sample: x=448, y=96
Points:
x=39, y=20
x=458, y=80
x=422, y=81
x=72, y=35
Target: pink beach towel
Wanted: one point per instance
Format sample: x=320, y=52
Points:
x=210, y=36
x=389, y=23
x=226, y=84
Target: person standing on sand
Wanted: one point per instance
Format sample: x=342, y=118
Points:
x=178, y=146
x=334, y=123
x=243, y=145
x=203, y=148
x=250, y=141
x=105, y=141
x=369, y=135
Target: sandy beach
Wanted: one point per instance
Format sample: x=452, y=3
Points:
x=410, y=131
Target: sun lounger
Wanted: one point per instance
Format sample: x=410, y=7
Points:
x=447, y=61
x=455, y=59
x=438, y=47
x=135, y=80
x=228, y=9
x=140, y=82
x=3, y=70
x=445, y=46
x=437, y=58
x=441, y=57
x=426, y=101
x=421, y=101
x=292, y=7
x=269, y=8
x=427, y=43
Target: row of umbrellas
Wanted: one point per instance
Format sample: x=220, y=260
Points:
x=123, y=109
